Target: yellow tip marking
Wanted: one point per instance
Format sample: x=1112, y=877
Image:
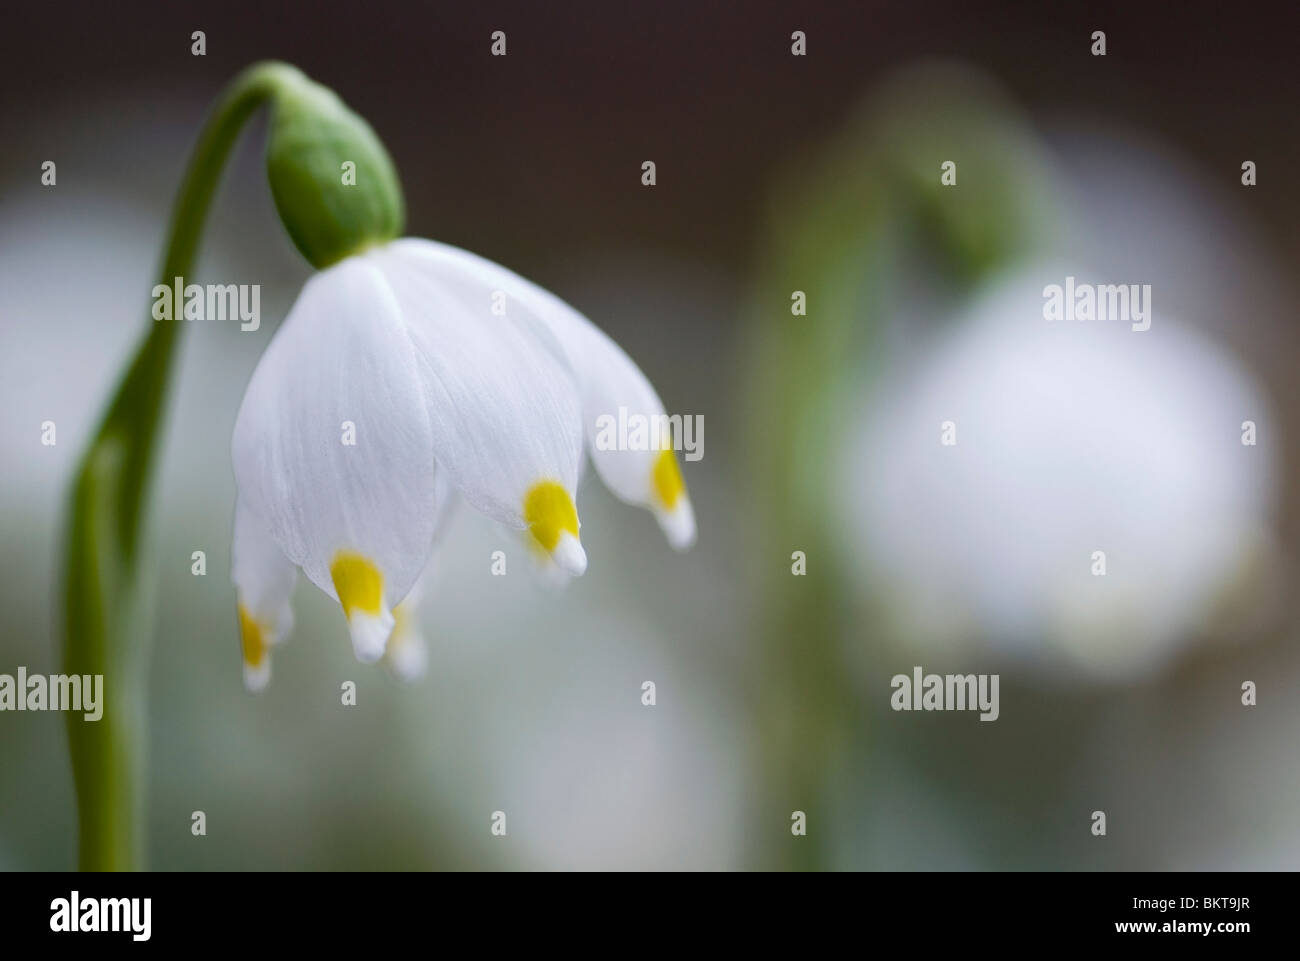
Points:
x=401, y=627
x=358, y=582
x=667, y=479
x=549, y=511
x=251, y=638
x=401, y=618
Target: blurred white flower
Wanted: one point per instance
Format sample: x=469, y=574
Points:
x=403, y=375
x=1071, y=437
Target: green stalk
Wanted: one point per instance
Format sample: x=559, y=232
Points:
x=837, y=227
x=107, y=580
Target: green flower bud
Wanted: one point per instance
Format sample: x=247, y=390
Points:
x=333, y=182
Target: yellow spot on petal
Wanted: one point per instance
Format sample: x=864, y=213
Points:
x=358, y=582
x=667, y=479
x=549, y=511
x=401, y=628
x=252, y=638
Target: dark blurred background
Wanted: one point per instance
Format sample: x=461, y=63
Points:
x=545, y=136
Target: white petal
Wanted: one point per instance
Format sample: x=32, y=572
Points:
x=333, y=447
x=569, y=555
x=262, y=575
x=543, y=565
x=370, y=633
x=503, y=407
x=407, y=652
x=628, y=434
x=257, y=676
x=264, y=580
x=408, y=655
x=608, y=382
x=678, y=523
x=444, y=506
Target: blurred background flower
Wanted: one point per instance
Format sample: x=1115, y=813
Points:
x=1069, y=437
x=772, y=690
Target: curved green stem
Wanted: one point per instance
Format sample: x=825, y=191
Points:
x=108, y=617
x=836, y=229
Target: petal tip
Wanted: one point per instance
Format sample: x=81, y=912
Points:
x=678, y=524
x=370, y=634
x=282, y=627
x=257, y=676
x=408, y=659
x=255, y=650
x=569, y=555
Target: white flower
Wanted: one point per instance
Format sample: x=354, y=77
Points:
x=403, y=376
x=1071, y=437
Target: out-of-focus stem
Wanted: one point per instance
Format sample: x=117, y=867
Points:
x=834, y=229
x=107, y=582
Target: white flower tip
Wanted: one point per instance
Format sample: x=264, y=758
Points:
x=569, y=555
x=669, y=501
x=282, y=627
x=257, y=676
x=551, y=576
x=550, y=515
x=678, y=524
x=543, y=564
x=360, y=587
x=408, y=657
x=255, y=648
x=370, y=634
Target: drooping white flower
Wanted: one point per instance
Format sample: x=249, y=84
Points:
x=402, y=376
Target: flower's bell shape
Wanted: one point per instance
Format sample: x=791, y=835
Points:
x=404, y=375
